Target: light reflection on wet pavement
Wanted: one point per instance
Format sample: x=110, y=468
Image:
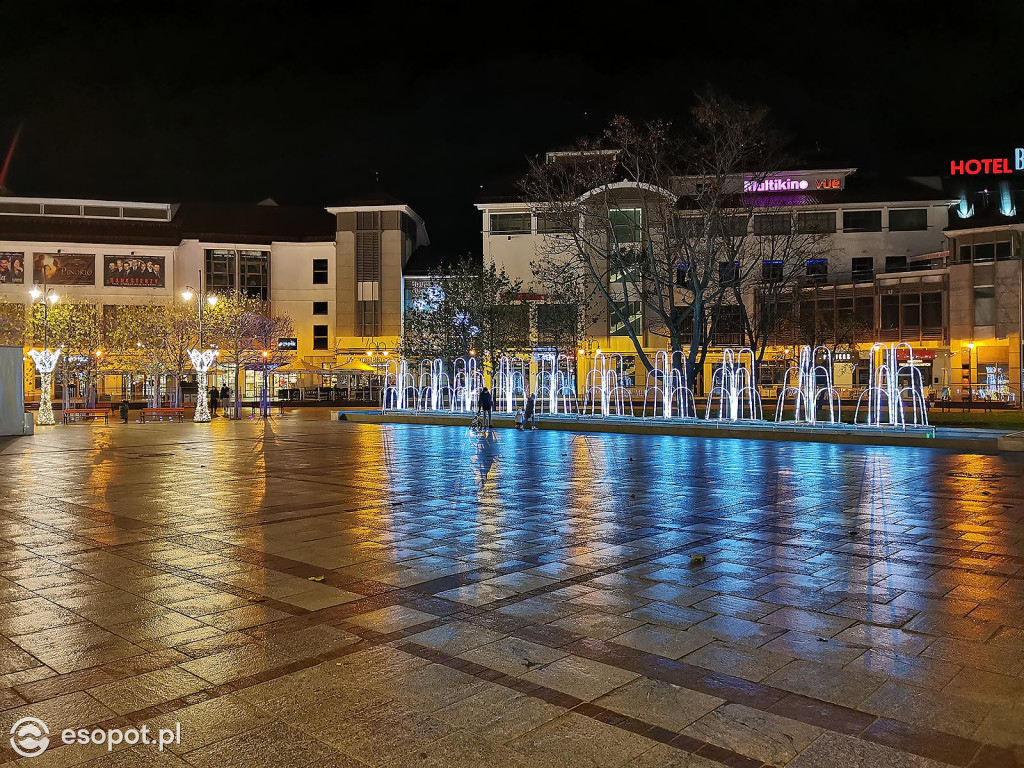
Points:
x=314, y=593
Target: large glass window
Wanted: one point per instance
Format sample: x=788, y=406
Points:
x=728, y=272
x=733, y=226
x=319, y=271
x=910, y=304
x=862, y=221
x=634, y=311
x=864, y=310
x=220, y=271
x=772, y=224
x=550, y=223
x=890, y=313
x=625, y=225
x=771, y=271
x=985, y=305
x=965, y=254
x=895, y=263
x=255, y=273
x=511, y=223
x=863, y=269
x=1004, y=252
x=984, y=253
x=931, y=310
x=817, y=270
x=816, y=222
x=908, y=219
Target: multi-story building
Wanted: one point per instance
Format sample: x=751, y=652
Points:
x=885, y=263
x=336, y=271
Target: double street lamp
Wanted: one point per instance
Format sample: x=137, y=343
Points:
x=201, y=358
x=46, y=360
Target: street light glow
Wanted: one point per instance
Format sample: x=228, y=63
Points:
x=211, y=300
x=53, y=298
x=35, y=293
x=186, y=295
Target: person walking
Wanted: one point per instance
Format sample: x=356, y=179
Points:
x=531, y=412
x=225, y=398
x=485, y=405
x=214, y=400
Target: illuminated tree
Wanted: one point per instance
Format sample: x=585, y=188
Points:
x=467, y=309
x=77, y=328
x=13, y=323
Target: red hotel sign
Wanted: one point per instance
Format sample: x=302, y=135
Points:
x=988, y=165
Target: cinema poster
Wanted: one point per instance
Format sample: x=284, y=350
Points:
x=64, y=268
x=12, y=268
x=133, y=271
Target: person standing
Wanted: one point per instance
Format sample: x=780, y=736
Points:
x=485, y=405
x=214, y=401
x=124, y=410
x=531, y=412
x=225, y=398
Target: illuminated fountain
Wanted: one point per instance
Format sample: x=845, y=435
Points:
x=556, y=384
x=435, y=386
x=468, y=382
x=400, y=390
x=802, y=382
x=666, y=384
x=510, y=383
x=736, y=388
x=604, y=387
x=885, y=397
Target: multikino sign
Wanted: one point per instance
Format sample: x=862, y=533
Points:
x=988, y=165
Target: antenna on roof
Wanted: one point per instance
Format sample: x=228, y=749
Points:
x=7, y=161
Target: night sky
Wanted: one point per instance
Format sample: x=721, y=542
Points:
x=307, y=104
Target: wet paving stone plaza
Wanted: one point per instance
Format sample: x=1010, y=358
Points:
x=308, y=593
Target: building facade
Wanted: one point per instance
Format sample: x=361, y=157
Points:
x=887, y=263
x=337, y=271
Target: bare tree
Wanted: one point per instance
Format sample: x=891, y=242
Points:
x=569, y=309
x=658, y=220
x=235, y=322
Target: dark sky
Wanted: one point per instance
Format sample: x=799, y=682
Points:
x=306, y=102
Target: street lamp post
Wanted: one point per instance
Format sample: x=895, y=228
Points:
x=46, y=360
x=201, y=358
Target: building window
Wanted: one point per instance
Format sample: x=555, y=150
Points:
x=965, y=254
x=771, y=271
x=985, y=305
x=772, y=224
x=220, y=271
x=728, y=272
x=910, y=304
x=931, y=310
x=511, y=223
x=319, y=307
x=732, y=226
x=895, y=263
x=816, y=222
x=634, y=311
x=863, y=269
x=817, y=270
x=862, y=221
x=1003, y=251
x=550, y=223
x=864, y=311
x=908, y=219
x=319, y=337
x=319, y=271
x=255, y=273
x=890, y=313
x=368, y=317
x=625, y=225
x=984, y=253
x=683, y=276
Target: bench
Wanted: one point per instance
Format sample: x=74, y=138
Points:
x=73, y=413
x=170, y=413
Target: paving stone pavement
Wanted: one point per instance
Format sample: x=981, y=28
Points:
x=306, y=593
